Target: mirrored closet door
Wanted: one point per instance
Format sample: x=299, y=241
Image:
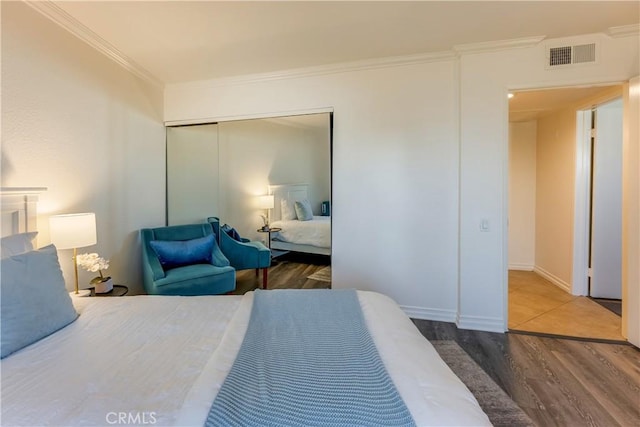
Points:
x=221, y=169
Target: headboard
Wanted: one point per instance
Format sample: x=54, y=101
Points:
x=19, y=209
x=292, y=192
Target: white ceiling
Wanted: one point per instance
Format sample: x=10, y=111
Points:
x=531, y=105
x=178, y=41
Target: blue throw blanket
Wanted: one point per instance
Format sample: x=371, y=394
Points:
x=307, y=359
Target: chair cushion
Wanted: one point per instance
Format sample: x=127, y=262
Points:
x=177, y=253
x=35, y=302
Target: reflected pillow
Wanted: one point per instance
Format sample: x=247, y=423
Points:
x=17, y=244
x=178, y=253
x=34, y=300
x=303, y=210
x=287, y=210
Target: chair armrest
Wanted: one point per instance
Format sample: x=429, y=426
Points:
x=152, y=264
x=243, y=255
x=217, y=257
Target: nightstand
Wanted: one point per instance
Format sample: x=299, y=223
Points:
x=117, y=291
x=269, y=231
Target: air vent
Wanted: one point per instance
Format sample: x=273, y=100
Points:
x=584, y=53
x=569, y=55
x=560, y=56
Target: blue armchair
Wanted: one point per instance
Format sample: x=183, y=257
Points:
x=243, y=254
x=184, y=260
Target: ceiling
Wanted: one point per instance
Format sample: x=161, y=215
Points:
x=531, y=105
x=178, y=41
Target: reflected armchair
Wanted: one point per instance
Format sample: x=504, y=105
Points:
x=184, y=260
x=243, y=254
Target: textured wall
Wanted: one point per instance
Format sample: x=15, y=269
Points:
x=75, y=122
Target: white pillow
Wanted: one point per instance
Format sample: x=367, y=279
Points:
x=303, y=210
x=287, y=210
x=34, y=301
x=17, y=244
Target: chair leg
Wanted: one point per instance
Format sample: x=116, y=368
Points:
x=264, y=278
x=257, y=269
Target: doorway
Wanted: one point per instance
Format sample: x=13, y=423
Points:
x=546, y=164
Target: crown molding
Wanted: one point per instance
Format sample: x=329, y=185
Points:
x=624, y=31
x=56, y=14
x=497, y=45
x=341, y=67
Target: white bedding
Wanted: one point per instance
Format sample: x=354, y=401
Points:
x=316, y=232
x=163, y=359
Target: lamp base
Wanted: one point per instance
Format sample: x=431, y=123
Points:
x=81, y=293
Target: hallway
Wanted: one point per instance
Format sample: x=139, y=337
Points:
x=537, y=305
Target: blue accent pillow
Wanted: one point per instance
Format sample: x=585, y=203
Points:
x=303, y=210
x=178, y=253
x=231, y=232
x=34, y=300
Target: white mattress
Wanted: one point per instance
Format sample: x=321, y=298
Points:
x=164, y=358
x=316, y=232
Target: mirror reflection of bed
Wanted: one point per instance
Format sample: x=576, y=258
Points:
x=221, y=169
x=301, y=247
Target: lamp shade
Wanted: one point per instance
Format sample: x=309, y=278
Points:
x=73, y=230
x=265, y=202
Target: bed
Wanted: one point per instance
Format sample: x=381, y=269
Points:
x=167, y=360
x=311, y=236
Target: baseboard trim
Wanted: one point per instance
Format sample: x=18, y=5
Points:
x=478, y=323
x=521, y=267
x=553, y=279
x=481, y=323
x=429, y=313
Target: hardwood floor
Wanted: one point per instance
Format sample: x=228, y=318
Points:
x=289, y=271
x=557, y=382
x=537, y=305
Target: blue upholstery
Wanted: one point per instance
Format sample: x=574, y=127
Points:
x=207, y=278
x=243, y=254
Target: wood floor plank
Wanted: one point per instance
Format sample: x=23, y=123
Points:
x=556, y=381
x=588, y=365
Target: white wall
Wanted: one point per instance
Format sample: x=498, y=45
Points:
x=75, y=122
x=522, y=195
x=485, y=80
x=555, y=194
x=409, y=142
x=395, y=171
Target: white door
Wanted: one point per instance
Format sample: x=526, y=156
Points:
x=606, y=231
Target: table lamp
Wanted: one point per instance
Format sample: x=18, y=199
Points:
x=73, y=231
x=266, y=202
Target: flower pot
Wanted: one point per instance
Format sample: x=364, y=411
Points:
x=104, y=286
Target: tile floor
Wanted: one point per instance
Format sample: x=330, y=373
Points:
x=537, y=305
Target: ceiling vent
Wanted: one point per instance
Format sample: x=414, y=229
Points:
x=559, y=56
